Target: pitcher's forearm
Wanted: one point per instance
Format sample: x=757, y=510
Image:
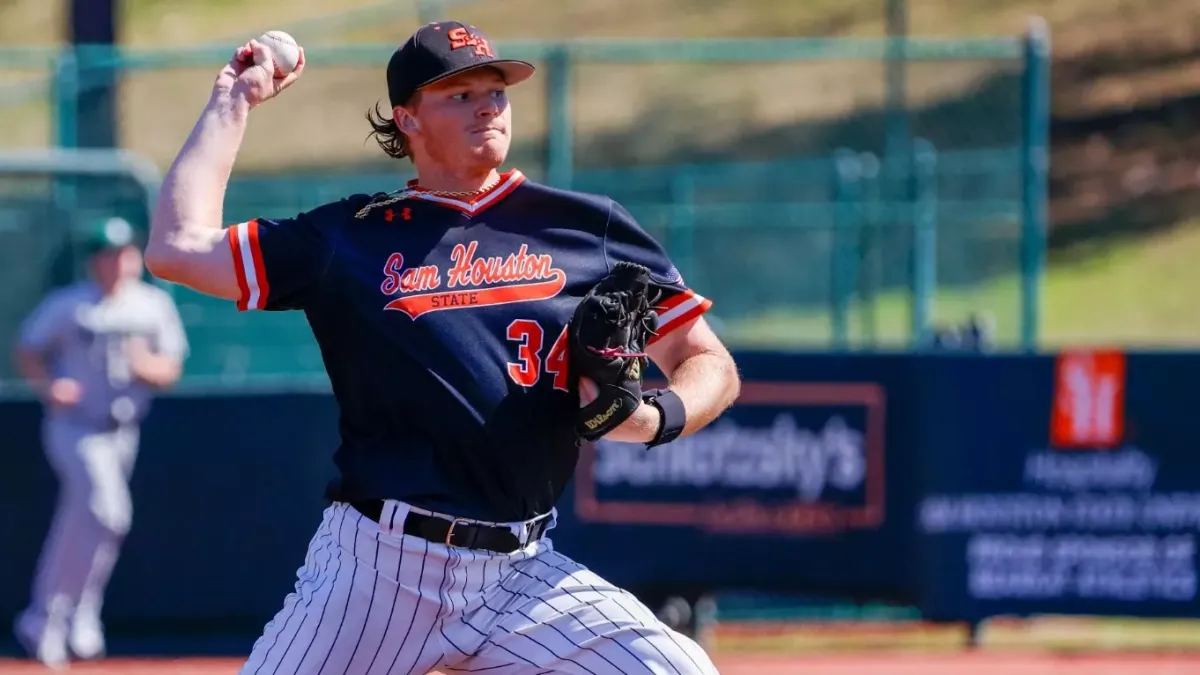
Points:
x=187, y=243
x=189, y=208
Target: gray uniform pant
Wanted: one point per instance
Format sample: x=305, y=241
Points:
x=93, y=515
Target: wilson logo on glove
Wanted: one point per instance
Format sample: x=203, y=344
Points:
x=603, y=417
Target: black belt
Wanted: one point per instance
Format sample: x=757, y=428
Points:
x=457, y=533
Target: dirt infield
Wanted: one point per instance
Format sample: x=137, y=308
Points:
x=874, y=664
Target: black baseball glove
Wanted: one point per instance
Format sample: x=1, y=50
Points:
x=608, y=335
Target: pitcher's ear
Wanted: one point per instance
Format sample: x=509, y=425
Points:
x=405, y=120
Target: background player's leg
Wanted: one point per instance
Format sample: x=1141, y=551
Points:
x=552, y=615
x=365, y=602
x=44, y=624
x=93, y=517
x=112, y=466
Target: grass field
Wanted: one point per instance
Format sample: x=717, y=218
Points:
x=1133, y=292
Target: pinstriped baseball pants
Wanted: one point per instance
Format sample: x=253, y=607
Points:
x=372, y=602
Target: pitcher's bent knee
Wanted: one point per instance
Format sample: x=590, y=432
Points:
x=662, y=650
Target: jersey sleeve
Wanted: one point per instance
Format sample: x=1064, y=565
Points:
x=625, y=240
x=170, y=338
x=46, y=324
x=279, y=263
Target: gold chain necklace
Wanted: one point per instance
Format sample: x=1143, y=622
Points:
x=403, y=194
x=465, y=193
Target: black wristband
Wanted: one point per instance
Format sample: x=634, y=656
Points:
x=674, y=416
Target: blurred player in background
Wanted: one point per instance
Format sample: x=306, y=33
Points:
x=93, y=352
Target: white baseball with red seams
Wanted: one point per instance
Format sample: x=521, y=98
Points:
x=285, y=51
x=588, y=391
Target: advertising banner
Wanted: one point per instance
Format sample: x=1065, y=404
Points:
x=789, y=458
x=970, y=485
x=1066, y=486
x=791, y=488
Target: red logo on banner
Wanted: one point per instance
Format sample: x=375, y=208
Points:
x=1089, y=400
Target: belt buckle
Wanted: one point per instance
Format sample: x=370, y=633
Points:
x=450, y=531
x=542, y=526
x=534, y=530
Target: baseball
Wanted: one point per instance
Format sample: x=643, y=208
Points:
x=588, y=391
x=285, y=52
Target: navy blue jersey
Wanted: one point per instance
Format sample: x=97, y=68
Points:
x=441, y=324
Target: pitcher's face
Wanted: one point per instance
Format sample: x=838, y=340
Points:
x=463, y=121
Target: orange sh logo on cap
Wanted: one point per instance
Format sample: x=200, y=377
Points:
x=1089, y=400
x=460, y=37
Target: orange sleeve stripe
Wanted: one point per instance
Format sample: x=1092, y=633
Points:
x=683, y=309
x=235, y=248
x=260, y=270
x=676, y=300
x=248, y=263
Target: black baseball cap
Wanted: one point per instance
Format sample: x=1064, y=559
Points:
x=442, y=49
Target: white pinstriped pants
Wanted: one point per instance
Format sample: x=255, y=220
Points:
x=372, y=602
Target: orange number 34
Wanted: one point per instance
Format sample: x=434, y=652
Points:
x=530, y=338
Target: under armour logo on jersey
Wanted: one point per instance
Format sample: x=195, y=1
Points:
x=386, y=200
x=405, y=213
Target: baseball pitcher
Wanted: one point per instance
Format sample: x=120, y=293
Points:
x=95, y=351
x=476, y=327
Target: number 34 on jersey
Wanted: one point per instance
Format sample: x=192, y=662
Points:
x=530, y=339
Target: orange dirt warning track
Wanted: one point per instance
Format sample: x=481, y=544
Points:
x=873, y=664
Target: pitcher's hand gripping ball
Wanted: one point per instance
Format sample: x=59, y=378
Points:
x=607, y=337
x=285, y=52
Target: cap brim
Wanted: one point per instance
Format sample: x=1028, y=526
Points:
x=515, y=72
